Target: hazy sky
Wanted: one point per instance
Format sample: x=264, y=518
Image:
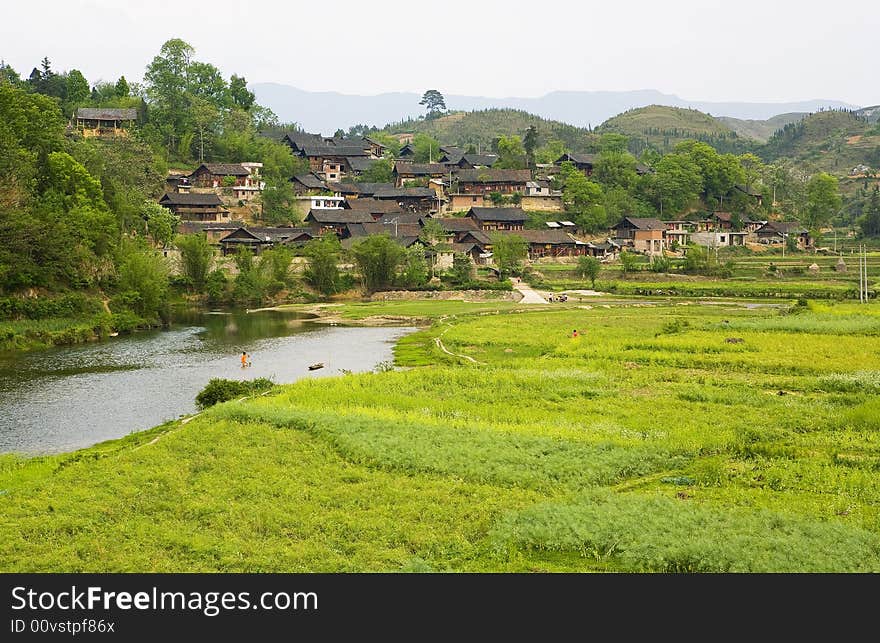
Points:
x=743, y=50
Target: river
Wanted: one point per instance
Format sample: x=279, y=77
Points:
x=67, y=398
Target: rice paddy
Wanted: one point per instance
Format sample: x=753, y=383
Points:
x=664, y=438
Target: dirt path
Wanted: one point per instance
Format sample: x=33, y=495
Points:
x=530, y=296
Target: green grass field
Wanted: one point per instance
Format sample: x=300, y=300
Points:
x=665, y=438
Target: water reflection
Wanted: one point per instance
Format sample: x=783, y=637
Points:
x=67, y=398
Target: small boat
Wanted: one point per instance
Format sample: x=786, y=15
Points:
x=315, y=367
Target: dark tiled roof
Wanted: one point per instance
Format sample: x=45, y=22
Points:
x=457, y=224
x=339, y=216
x=223, y=169
x=783, y=227
x=310, y=180
x=494, y=176
x=359, y=163
x=643, y=223
x=481, y=159
x=107, y=113
x=577, y=159
x=498, y=214
x=551, y=237
x=402, y=218
x=373, y=206
x=325, y=150
x=420, y=169
x=404, y=193
x=179, y=198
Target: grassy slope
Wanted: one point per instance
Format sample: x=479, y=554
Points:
x=649, y=443
x=481, y=127
x=760, y=131
x=663, y=127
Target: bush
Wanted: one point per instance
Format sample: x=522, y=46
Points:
x=221, y=390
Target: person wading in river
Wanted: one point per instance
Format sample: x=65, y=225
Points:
x=245, y=362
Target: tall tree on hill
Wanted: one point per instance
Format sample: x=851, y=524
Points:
x=122, y=88
x=239, y=92
x=77, y=90
x=823, y=200
x=434, y=102
x=166, y=80
x=869, y=222
x=530, y=144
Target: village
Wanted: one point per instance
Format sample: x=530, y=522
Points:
x=461, y=191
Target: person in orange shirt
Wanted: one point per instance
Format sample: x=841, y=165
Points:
x=574, y=334
x=244, y=359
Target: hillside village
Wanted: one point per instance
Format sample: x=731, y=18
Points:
x=461, y=191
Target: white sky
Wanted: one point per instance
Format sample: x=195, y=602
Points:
x=739, y=50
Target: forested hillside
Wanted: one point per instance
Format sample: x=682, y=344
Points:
x=80, y=229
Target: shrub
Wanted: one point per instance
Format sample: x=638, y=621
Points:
x=221, y=390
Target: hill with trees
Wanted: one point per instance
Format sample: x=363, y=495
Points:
x=833, y=141
x=483, y=128
x=761, y=130
x=661, y=128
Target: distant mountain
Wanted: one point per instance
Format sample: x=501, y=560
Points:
x=325, y=112
x=761, y=130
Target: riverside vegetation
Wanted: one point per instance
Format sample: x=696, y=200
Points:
x=669, y=438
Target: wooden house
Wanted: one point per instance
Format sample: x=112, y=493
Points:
x=104, y=121
x=195, y=207
x=308, y=184
x=774, y=232
x=498, y=218
x=258, y=239
x=404, y=171
x=583, y=162
x=411, y=199
x=486, y=181
x=336, y=221
x=645, y=235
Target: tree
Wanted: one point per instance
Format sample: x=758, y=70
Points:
x=676, y=183
x=509, y=251
x=511, y=153
x=628, y=262
x=823, y=200
x=196, y=257
x=239, y=93
x=613, y=143
x=143, y=280
x=275, y=265
x=77, y=89
x=615, y=169
x=121, y=87
x=377, y=257
x=277, y=202
x=160, y=222
x=583, y=199
x=696, y=260
x=381, y=171
x=588, y=268
x=434, y=103
x=414, y=267
x=462, y=268
x=323, y=272
x=530, y=144
x=869, y=222
x=167, y=87
x=427, y=149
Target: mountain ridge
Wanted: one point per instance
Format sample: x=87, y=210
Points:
x=326, y=112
